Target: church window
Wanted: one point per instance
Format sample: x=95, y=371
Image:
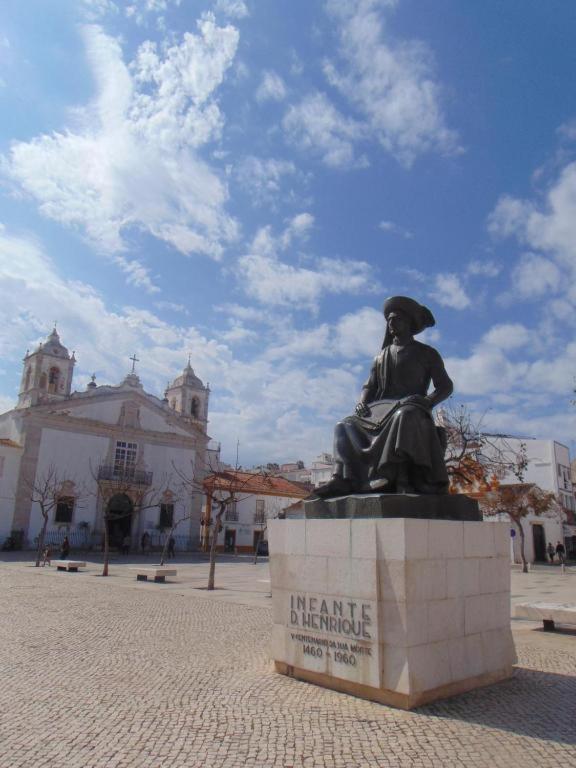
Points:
x=64, y=509
x=125, y=459
x=195, y=407
x=53, y=379
x=173, y=404
x=43, y=381
x=28, y=375
x=166, y=516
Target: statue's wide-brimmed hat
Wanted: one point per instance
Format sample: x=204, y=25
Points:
x=420, y=315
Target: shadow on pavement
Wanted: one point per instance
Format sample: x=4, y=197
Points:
x=541, y=705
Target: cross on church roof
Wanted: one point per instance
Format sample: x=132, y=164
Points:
x=134, y=361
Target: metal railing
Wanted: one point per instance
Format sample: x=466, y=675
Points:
x=259, y=518
x=129, y=475
x=231, y=516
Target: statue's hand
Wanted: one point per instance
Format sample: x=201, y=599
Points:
x=417, y=400
x=362, y=409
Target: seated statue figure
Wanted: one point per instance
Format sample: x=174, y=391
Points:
x=391, y=444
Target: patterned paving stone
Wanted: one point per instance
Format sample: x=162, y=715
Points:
x=94, y=674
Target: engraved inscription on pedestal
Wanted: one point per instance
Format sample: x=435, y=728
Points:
x=337, y=636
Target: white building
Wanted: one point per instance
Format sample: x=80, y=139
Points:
x=91, y=439
x=257, y=498
x=322, y=469
x=549, y=468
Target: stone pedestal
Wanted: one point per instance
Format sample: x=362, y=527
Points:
x=400, y=611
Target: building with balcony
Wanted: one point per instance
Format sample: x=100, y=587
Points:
x=111, y=454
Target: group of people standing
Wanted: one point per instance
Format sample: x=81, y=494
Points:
x=559, y=551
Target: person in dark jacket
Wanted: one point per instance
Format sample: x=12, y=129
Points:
x=64, y=548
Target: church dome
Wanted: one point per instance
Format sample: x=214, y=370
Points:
x=188, y=377
x=53, y=346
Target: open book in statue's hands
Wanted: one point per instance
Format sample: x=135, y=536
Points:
x=378, y=412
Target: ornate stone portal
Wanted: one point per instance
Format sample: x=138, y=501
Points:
x=399, y=611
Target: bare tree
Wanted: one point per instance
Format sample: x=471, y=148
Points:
x=124, y=483
x=476, y=459
x=517, y=500
x=46, y=490
x=224, y=489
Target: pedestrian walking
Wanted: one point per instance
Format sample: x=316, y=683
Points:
x=145, y=543
x=171, y=547
x=46, y=556
x=551, y=551
x=64, y=548
x=560, y=552
x=126, y=545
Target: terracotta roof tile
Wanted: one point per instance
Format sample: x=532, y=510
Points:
x=9, y=443
x=248, y=482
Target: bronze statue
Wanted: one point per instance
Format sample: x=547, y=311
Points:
x=391, y=444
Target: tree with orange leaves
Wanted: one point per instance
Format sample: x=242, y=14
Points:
x=518, y=500
x=477, y=461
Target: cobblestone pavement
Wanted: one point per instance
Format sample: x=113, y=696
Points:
x=104, y=672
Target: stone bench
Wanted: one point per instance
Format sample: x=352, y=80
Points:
x=69, y=565
x=548, y=613
x=158, y=574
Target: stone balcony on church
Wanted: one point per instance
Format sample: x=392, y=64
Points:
x=129, y=475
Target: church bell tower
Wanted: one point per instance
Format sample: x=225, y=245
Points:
x=47, y=373
x=188, y=396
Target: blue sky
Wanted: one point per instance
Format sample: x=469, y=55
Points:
x=247, y=180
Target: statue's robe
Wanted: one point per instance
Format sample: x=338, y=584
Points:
x=371, y=447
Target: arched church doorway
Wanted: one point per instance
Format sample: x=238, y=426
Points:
x=119, y=518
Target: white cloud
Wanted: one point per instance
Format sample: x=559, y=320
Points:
x=568, y=130
x=449, y=291
x=549, y=226
x=509, y=217
x=273, y=282
x=238, y=333
x=360, y=334
x=508, y=336
x=234, y=9
x=558, y=426
x=93, y=10
x=130, y=160
x=391, y=84
x=485, y=372
x=484, y=268
x=271, y=88
x=535, y=276
x=310, y=342
x=31, y=291
x=139, y=10
x=263, y=178
x=317, y=125
x=172, y=306
x=299, y=227
x=390, y=226
x=546, y=225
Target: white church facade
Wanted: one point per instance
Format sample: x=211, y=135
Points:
x=107, y=448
